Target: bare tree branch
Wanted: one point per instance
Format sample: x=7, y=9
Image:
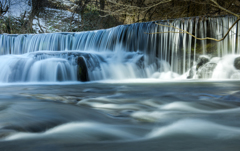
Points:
x=215, y=4
x=186, y=32
x=125, y=8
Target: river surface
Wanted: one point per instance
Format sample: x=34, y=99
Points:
x=191, y=115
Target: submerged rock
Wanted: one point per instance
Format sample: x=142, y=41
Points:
x=206, y=70
x=201, y=61
x=191, y=74
x=237, y=63
x=140, y=62
x=203, y=69
x=82, y=71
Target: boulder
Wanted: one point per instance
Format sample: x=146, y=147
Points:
x=191, y=74
x=201, y=61
x=140, y=62
x=206, y=70
x=82, y=70
x=66, y=4
x=237, y=63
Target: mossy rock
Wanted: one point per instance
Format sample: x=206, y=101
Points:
x=237, y=63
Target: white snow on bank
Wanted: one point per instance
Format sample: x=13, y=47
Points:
x=17, y=8
x=49, y=20
x=55, y=20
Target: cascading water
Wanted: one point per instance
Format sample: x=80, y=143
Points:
x=123, y=52
x=21, y=68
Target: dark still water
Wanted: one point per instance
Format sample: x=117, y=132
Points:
x=121, y=116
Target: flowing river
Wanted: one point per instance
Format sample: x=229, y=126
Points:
x=106, y=116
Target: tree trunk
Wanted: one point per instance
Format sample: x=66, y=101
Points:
x=102, y=6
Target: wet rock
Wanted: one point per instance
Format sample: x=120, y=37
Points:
x=201, y=61
x=82, y=71
x=6, y=132
x=237, y=63
x=191, y=74
x=206, y=70
x=235, y=76
x=140, y=62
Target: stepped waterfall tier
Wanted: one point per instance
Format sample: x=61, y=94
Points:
x=141, y=50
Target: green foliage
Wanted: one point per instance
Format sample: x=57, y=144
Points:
x=91, y=8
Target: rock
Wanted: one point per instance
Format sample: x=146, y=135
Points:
x=235, y=76
x=206, y=70
x=140, y=62
x=191, y=74
x=66, y=4
x=215, y=60
x=237, y=63
x=201, y=61
x=82, y=70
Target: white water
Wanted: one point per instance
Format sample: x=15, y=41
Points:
x=84, y=132
x=121, y=53
x=95, y=132
x=23, y=68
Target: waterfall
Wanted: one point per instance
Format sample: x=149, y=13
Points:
x=122, y=52
x=23, y=68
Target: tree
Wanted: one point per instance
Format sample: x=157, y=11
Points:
x=102, y=6
x=165, y=9
x=4, y=7
x=90, y=11
x=36, y=7
x=11, y=23
x=174, y=9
